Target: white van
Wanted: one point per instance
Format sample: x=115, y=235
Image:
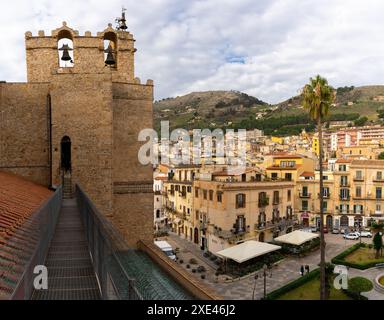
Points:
x=166, y=248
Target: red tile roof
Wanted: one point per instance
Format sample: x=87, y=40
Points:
x=19, y=199
x=307, y=174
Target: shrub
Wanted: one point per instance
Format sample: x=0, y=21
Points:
x=192, y=261
x=359, y=284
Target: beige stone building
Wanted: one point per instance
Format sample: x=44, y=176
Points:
x=78, y=122
x=215, y=209
x=353, y=194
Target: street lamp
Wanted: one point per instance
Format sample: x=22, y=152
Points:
x=266, y=272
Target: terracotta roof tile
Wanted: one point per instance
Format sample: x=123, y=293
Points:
x=19, y=199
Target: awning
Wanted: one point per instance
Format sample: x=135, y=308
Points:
x=247, y=251
x=296, y=237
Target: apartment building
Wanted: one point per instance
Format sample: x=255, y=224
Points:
x=353, y=194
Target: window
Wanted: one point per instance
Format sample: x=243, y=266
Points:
x=288, y=176
x=287, y=164
x=342, y=167
x=304, y=205
x=275, y=215
x=197, y=213
x=305, y=191
x=205, y=194
x=378, y=208
x=219, y=196
x=188, y=211
x=378, y=192
x=344, y=181
x=196, y=192
x=157, y=214
x=379, y=175
x=344, y=208
x=276, y=197
x=240, y=224
x=189, y=189
x=326, y=192
x=210, y=195
x=289, y=195
x=358, y=192
x=289, y=212
x=344, y=194
x=183, y=191
x=359, y=174
x=262, y=218
x=274, y=175
x=258, y=177
x=325, y=206
x=358, y=208
x=240, y=200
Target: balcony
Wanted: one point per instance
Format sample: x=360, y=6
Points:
x=263, y=202
x=345, y=184
x=344, y=211
x=378, y=179
x=358, y=179
x=279, y=222
x=305, y=195
x=345, y=198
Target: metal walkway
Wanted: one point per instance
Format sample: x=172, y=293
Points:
x=70, y=272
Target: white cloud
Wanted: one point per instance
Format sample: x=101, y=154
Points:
x=191, y=45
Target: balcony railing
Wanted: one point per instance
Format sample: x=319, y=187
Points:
x=345, y=184
x=345, y=198
x=279, y=222
x=377, y=179
x=305, y=195
x=358, y=178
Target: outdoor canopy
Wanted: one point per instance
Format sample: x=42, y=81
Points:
x=247, y=251
x=297, y=237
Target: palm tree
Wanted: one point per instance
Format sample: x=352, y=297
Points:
x=317, y=97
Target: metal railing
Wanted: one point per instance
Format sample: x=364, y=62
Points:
x=105, y=244
x=42, y=223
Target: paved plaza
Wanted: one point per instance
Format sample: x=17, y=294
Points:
x=284, y=272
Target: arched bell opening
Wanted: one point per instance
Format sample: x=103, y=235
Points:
x=110, y=49
x=65, y=49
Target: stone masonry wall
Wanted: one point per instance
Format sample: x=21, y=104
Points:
x=24, y=147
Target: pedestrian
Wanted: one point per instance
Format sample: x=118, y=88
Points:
x=302, y=270
x=307, y=268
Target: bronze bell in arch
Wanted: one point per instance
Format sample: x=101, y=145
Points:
x=110, y=61
x=65, y=48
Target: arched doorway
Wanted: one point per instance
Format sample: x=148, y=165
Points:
x=196, y=236
x=66, y=164
x=261, y=237
x=329, y=222
x=344, y=221
x=190, y=234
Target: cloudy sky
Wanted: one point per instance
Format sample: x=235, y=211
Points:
x=266, y=48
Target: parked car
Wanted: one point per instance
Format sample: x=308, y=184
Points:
x=335, y=231
x=352, y=236
x=167, y=249
x=342, y=231
x=366, y=234
x=325, y=230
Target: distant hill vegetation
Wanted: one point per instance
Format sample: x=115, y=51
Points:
x=233, y=109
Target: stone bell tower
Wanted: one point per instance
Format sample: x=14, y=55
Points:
x=95, y=109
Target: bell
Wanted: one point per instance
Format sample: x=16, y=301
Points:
x=65, y=48
x=110, y=58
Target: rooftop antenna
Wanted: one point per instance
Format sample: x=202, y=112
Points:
x=122, y=22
